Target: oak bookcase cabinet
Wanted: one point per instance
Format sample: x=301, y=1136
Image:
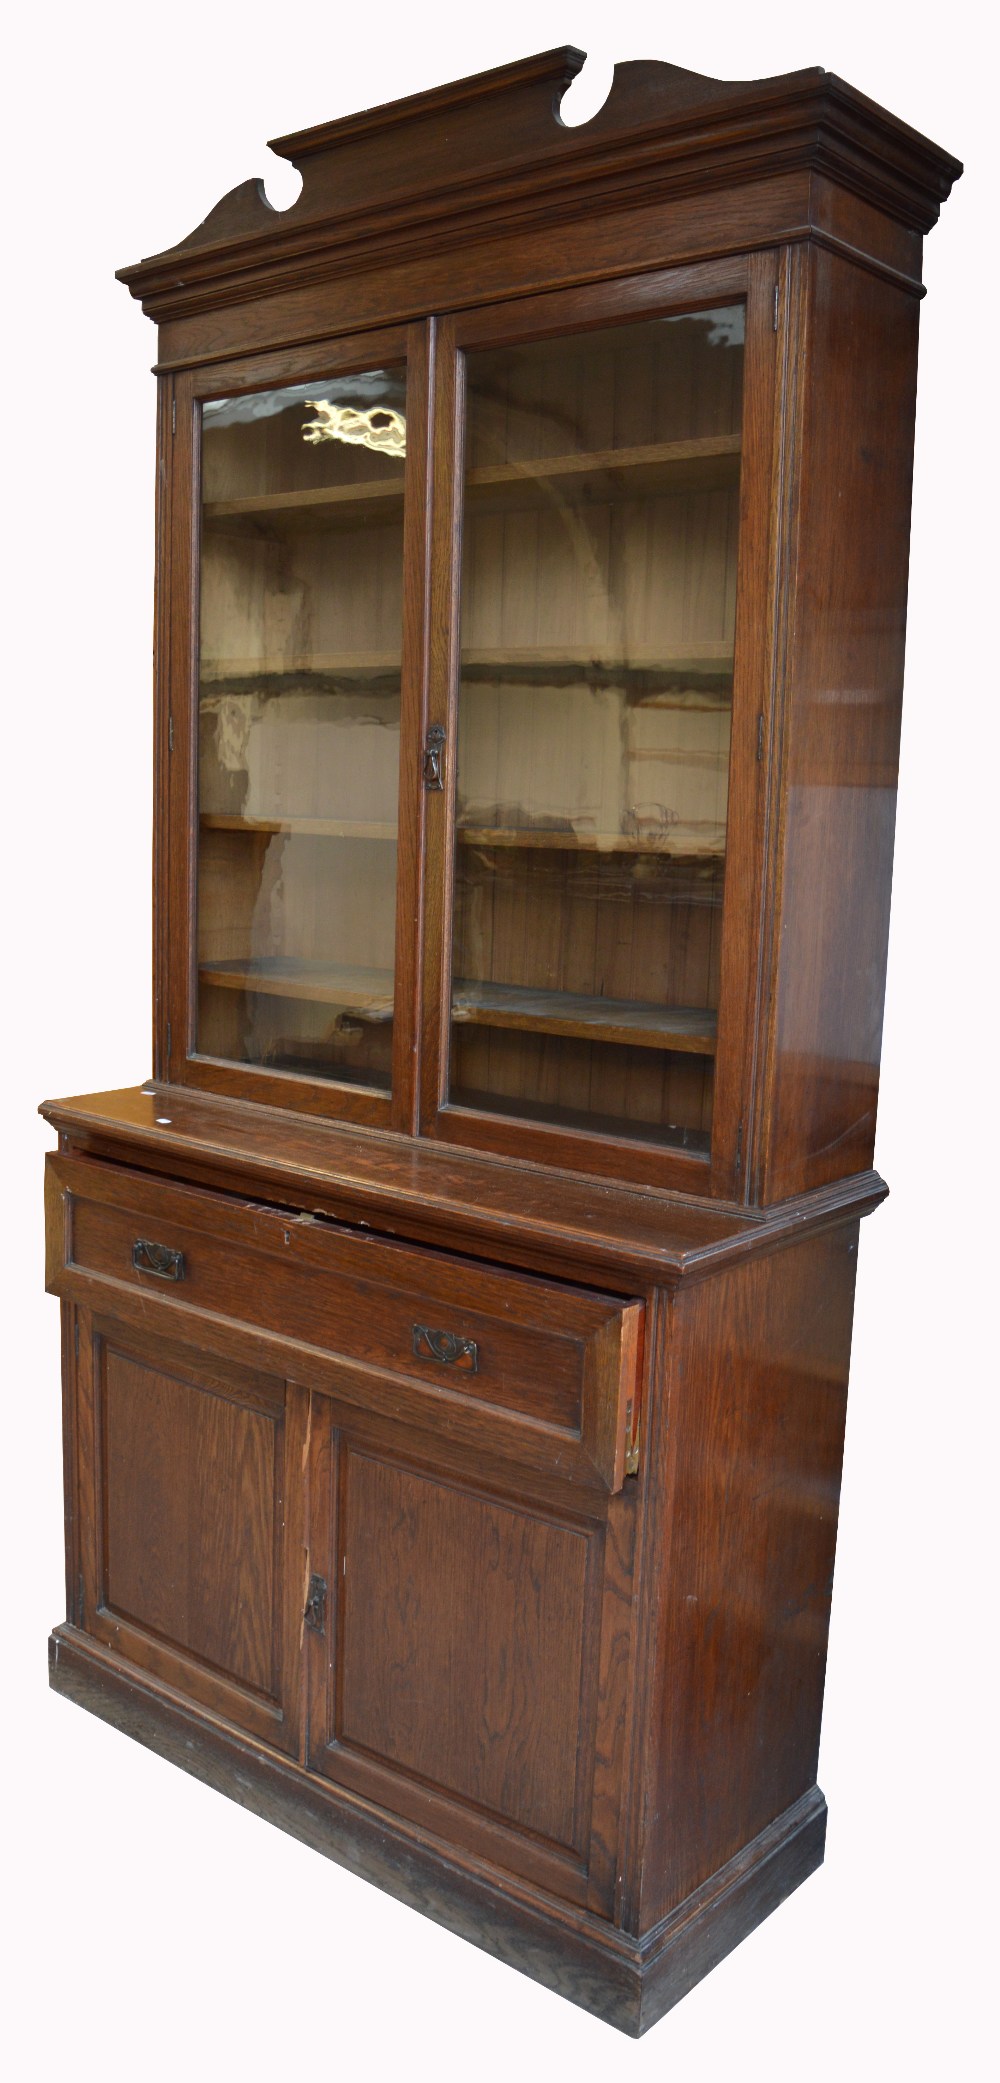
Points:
x=457, y=1324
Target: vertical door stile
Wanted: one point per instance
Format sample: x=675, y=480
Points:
x=417, y=623
x=292, y=1565
x=318, y=1474
x=162, y=717
x=445, y=569
x=790, y=392
x=71, y=1473
x=178, y=727
x=89, y=1459
x=753, y=692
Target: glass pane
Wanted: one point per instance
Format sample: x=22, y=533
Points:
x=301, y=624
x=598, y=608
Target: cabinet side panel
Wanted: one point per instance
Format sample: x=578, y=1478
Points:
x=758, y=1372
x=845, y=624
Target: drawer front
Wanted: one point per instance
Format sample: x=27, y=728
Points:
x=533, y=1368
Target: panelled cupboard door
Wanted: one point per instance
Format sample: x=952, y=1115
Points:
x=468, y=1671
x=597, y=717
x=189, y=1513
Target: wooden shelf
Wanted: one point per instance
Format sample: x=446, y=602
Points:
x=542, y=665
x=701, y=464
x=584, y=1019
x=556, y=665
x=308, y=827
x=322, y=505
x=320, y=673
x=369, y=993
x=684, y=846
x=552, y=1114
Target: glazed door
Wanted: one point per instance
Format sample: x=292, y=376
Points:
x=187, y=1502
x=596, y=715
x=300, y=709
x=468, y=1656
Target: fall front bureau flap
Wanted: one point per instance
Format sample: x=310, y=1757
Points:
x=540, y=1372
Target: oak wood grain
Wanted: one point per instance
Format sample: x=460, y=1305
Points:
x=189, y=1522
x=517, y=1213
x=516, y=1756
x=748, y=1453
x=465, y=1340
x=440, y=169
x=842, y=701
x=467, y=1501
x=432, y=1581
x=189, y=1555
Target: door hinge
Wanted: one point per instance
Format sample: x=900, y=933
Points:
x=760, y=735
x=775, y=307
x=433, y=760
x=315, y=1612
x=173, y=410
x=170, y=733
x=739, y=1150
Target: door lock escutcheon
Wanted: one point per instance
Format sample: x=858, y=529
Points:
x=315, y=1612
x=433, y=763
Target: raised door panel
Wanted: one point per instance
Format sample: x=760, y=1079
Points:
x=503, y=1730
x=189, y=1549
x=190, y=1538
x=471, y=1674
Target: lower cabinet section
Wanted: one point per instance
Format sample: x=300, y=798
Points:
x=371, y=1538
x=452, y=1646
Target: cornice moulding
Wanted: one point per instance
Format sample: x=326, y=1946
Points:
x=469, y=159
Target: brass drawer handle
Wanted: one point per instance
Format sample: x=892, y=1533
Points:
x=447, y=1348
x=158, y=1259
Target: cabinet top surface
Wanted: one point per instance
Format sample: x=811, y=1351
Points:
x=458, y=155
x=456, y=1199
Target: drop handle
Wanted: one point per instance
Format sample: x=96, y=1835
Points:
x=160, y=1259
x=446, y=1347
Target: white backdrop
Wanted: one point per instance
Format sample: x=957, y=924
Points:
x=158, y=1930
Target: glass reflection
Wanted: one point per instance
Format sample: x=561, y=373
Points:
x=598, y=612
x=301, y=620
